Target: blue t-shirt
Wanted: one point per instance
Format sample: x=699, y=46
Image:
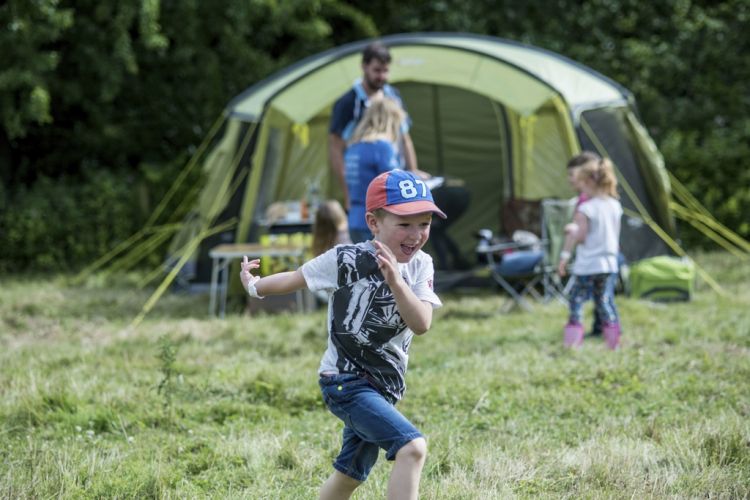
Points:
x=351, y=106
x=363, y=161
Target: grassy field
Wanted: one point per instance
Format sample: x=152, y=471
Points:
x=185, y=406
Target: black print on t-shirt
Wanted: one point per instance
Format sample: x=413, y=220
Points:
x=365, y=320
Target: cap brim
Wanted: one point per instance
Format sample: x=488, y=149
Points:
x=415, y=207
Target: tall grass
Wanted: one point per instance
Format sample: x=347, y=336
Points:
x=186, y=406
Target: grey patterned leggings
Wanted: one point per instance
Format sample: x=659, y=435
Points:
x=599, y=286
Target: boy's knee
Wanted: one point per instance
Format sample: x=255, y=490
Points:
x=348, y=482
x=415, y=450
x=338, y=485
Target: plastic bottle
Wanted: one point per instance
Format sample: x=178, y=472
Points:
x=313, y=198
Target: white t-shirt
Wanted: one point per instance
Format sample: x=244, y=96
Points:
x=598, y=253
x=366, y=334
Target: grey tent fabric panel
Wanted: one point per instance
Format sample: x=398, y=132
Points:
x=652, y=169
x=637, y=240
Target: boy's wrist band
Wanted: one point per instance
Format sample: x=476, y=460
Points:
x=252, y=291
x=565, y=255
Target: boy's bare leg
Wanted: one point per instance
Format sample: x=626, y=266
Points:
x=404, y=481
x=338, y=486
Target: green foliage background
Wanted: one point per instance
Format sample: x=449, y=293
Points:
x=126, y=90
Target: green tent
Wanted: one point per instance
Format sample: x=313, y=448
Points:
x=502, y=116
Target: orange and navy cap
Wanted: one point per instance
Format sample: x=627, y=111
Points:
x=400, y=193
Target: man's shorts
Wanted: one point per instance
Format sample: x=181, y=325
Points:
x=371, y=422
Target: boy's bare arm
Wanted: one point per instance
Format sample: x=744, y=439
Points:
x=416, y=313
x=276, y=284
x=281, y=283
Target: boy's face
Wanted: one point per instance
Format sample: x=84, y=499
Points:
x=403, y=234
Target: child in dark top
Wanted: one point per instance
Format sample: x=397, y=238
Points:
x=381, y=294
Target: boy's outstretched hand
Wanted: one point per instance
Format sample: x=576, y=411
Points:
x=245, y=275
x=387, y=263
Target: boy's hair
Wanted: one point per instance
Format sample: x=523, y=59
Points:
x=330, y=218
x=602, y=173
x=379, y=213
x=382, y=118
x=583, y=158
x=376, y=50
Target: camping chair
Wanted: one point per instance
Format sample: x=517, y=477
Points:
x=555, y=214
x=517, y=266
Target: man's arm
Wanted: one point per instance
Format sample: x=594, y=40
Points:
x=410, y=155
x=336, y=146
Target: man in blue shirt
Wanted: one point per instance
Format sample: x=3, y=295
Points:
x=350, y=107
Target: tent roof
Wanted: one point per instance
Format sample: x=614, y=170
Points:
x=521, y=76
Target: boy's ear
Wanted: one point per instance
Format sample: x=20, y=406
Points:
x=372, y=222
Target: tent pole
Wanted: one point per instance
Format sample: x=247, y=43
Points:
x=439, y=157
x=185, y=171
x=703, y=224
x=700, y=212
x=189, y=249
x=503, y=129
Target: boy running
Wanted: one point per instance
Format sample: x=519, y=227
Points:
x=380, y=296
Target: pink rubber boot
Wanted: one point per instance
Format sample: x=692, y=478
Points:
x=573, y=336
x=612, y=335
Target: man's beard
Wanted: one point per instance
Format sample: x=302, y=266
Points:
x=374, y=85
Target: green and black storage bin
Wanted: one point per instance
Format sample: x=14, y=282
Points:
x=662, y=278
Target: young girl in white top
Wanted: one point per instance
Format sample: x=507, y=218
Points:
x=596, y=233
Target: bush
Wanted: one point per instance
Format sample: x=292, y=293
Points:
x=716, y=169
x=66, y=223
x=63, y=224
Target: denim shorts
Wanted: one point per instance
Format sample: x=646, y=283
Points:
x=370, y=422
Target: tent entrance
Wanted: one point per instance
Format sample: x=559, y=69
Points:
x=507, y=161
x=463, y=136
